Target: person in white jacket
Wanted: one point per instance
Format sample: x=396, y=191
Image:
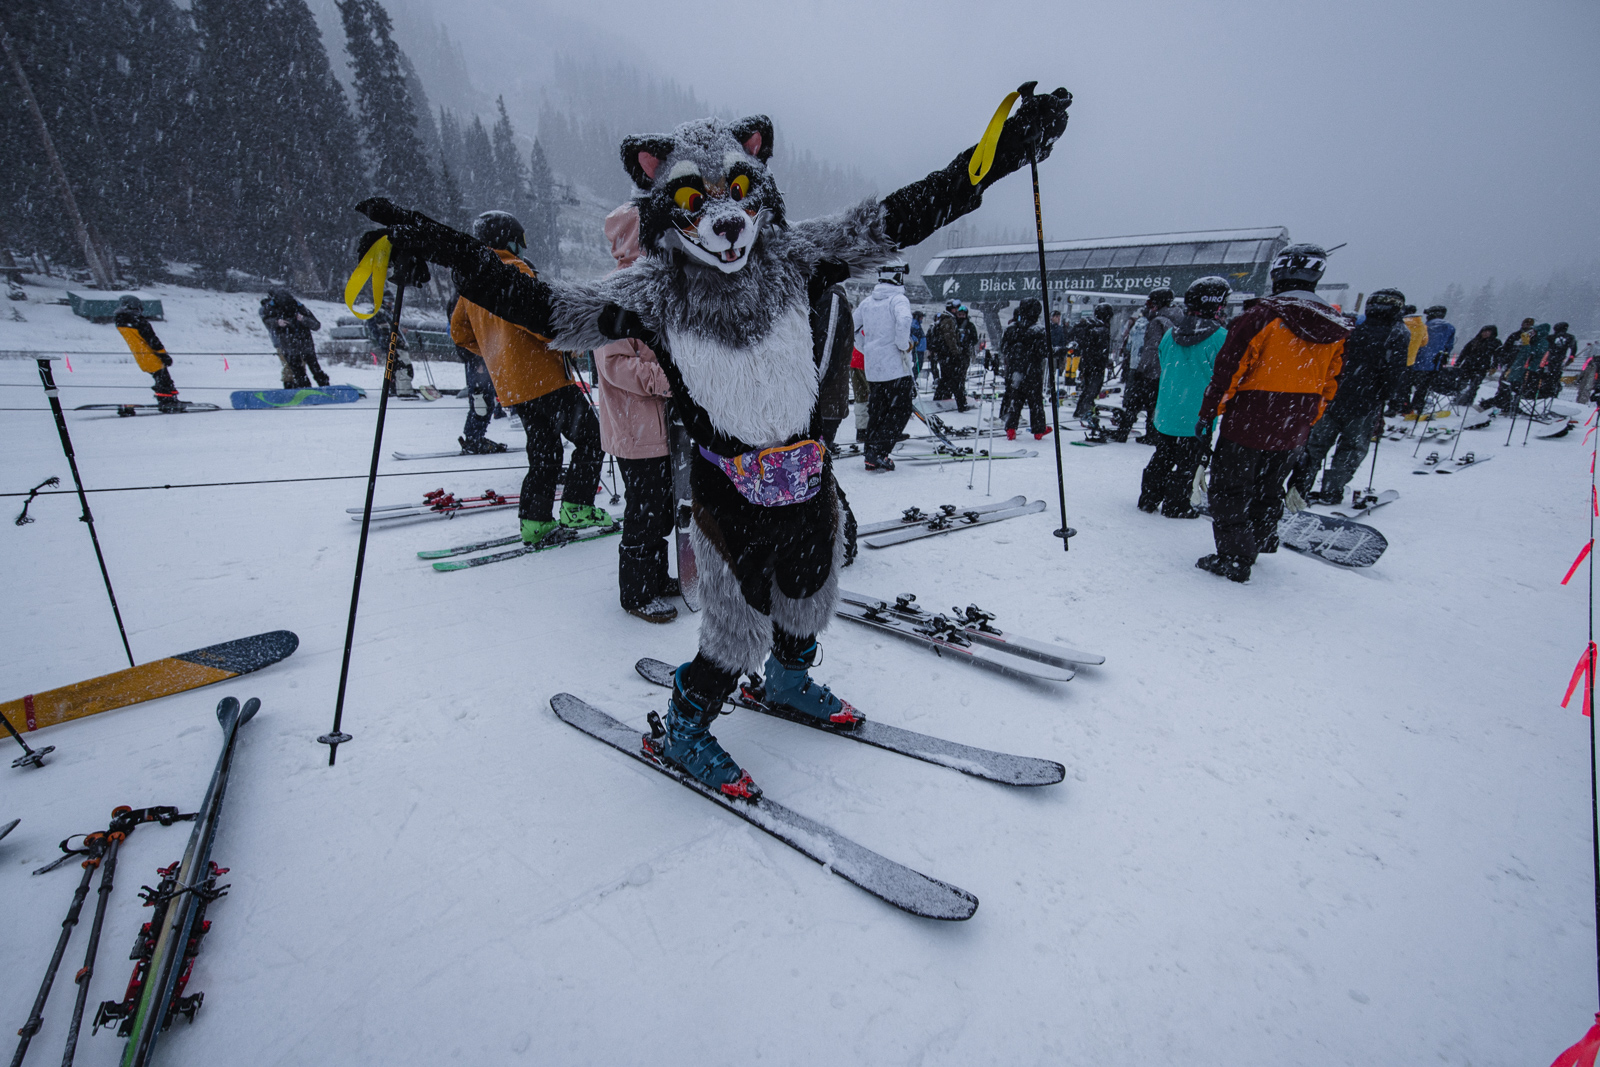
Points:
x=884, y=320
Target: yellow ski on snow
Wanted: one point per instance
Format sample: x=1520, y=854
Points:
x=163, y=677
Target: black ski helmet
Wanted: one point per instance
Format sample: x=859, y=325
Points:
x=1438, y=311
x=894, y=273
x=1104, y=312
x=500, y=229
x=1160, y=298
x=1206, y=296
x=1028, y=312
x=1409, y=309
x=1302, y=263
x=1386, y=302
x=1561, y=327
x=129, y=302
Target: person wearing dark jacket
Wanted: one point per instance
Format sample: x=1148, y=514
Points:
x=1025, y=347
x=1563, y=346
x=954, y=341
x=148, y=351
x=1374, y=357
x=1093, y=340
x=1143, y=382
x=290, y=324
x=481, y=400
x=1274, y=377
x=1478, y=357
x=1188, y=358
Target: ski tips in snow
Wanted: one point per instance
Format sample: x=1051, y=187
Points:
x=230, y=714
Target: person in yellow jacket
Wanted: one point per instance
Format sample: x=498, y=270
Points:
x=148, y=351
x=531, y=380
x=1417, y=327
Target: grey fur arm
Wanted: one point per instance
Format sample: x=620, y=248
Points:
x=855, y=237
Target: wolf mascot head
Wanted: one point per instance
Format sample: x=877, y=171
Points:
x=705, y=190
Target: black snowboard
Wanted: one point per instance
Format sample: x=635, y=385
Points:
x=1328, y=537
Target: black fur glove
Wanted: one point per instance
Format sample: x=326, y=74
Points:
x=1030, y=133
x=415, y=235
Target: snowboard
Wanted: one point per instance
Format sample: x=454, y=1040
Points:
x=129, y=410
x=1335, y=540
x=979, y=762
x=891, y=882
x=975, y=624
x=943, y=524
x=295, y=398
x=163, y=677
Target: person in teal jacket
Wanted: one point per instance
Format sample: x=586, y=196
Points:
x=1187, y=354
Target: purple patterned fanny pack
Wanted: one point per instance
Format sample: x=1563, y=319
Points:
x=773, y=477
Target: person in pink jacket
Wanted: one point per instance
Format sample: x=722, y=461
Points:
x=633, y=428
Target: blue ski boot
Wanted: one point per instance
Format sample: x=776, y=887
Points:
x=789, y=686
x=685, y=741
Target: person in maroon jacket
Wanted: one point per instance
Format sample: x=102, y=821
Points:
x=1273, y=379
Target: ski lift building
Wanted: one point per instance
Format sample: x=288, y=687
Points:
x=1108, y=266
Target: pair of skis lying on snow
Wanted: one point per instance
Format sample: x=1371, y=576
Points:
x=884, y=878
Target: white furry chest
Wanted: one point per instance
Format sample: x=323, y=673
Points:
x=762, y=393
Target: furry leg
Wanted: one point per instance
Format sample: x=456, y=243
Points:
x=733, y=635
x=811, y=614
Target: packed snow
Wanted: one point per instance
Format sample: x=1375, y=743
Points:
x=1330, y=816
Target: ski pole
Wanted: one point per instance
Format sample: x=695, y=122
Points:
x=1066, y=532
x=1428, y=408
x=983, y=401
x=54, y=396
x=30, y=757
x=123, y=820
x=96, y=843
x=1516, y=409
x=405, y=269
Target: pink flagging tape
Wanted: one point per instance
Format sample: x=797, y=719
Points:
x=1581, y=557
x=1583, y=672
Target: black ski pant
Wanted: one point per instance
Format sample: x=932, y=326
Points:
x=549, y=418
x=1026, y=387
x=1090, y=381
x=1246, y=499
x=295, y=365
x=888, y=408
x=1467, y=392
x=1168, y=480
x=1421, y=385
x=1352, y=431
x=162, y=384
x=952, y=382
x=1139, y=394
x=646, y=524
x=480, y=397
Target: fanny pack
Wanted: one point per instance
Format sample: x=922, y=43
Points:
x=773, y=477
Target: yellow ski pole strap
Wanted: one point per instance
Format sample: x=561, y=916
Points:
x=374, y=267
x=983, y=155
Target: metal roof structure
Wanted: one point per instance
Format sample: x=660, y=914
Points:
x=1134, y=265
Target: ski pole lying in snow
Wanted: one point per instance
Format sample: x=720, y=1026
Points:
x=408, y=271
x=94, y=845
x=30, y=757
x=54, y=397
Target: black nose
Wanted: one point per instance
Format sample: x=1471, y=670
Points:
x=729, y=228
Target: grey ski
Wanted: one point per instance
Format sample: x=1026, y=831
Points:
x=916, y=516
x=559, y=538
x=885, y=879
x=1469, y=459
x=965, y=520
x=1388, y=496
x=982, y=763
x=975, y=623
x=943, y=636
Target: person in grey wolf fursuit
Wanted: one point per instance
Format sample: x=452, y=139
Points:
x=722, y=294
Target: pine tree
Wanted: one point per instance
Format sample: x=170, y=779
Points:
x=510, y=175
x=477, y=168
x=396, y=158
x=542, y=220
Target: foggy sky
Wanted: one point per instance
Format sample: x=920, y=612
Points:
x=1444, y=141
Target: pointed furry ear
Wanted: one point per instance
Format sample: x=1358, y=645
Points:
x=641, y=156
x=755, y=133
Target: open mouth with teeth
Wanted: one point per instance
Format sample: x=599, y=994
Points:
x=729, y=259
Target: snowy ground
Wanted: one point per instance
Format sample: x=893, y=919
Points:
x=1330, y=817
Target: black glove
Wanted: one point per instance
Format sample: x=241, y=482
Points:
x=417, y=237
x=1202, y=430
x=1030, y=132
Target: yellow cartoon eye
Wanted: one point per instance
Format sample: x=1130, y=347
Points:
x=688, y=199
x=739, y=188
